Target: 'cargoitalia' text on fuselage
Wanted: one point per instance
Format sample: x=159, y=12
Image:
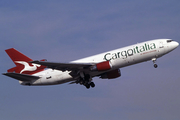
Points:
x=130, y=52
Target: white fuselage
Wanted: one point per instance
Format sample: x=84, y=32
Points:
x=119, y=58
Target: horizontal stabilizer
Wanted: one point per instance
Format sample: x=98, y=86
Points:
x=21, y=77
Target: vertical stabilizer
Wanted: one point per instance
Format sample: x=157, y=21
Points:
x=22, y=63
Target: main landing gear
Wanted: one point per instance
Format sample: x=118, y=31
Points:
x=86, y=81
x=154, y=62
x=88, y=85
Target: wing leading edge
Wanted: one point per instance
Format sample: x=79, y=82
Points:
x=64, y=66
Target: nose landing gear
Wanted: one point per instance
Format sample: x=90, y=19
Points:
x=155, y=65
x=154, y=62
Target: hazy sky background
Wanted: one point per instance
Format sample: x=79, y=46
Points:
x=66, y=30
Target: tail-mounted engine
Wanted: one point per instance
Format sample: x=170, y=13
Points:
x=111, y=74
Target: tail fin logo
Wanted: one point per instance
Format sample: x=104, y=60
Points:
x=27, y=67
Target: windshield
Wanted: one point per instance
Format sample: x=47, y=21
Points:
x=169, y=41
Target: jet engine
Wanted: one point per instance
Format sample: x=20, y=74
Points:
x=111, y=74
x=106, y=65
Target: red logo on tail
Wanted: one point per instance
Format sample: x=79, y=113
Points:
x=21, y=62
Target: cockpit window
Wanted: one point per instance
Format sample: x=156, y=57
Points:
x=168, y=41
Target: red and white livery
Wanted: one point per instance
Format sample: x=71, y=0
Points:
x=105, y=65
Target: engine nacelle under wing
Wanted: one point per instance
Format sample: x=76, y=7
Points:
x=111, y=74
x=106, y=65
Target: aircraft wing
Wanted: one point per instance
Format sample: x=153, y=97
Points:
x=64, y=66
x=22, y=77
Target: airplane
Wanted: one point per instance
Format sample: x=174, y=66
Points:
x=105, y=65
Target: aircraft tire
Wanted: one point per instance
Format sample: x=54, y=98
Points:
x=92, y=84
x=87, y=86
x=155, y=65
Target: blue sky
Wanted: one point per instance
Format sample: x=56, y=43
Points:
x=63, y=31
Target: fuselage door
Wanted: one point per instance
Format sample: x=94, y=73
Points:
x=161, y=49
x=161, y=45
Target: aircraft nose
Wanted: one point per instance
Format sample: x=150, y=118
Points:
x=172, y=45
x=175, y=44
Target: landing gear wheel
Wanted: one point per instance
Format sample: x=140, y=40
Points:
x=154, y=61
x=92, y=84
x=155, y=65
x=87, y=86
